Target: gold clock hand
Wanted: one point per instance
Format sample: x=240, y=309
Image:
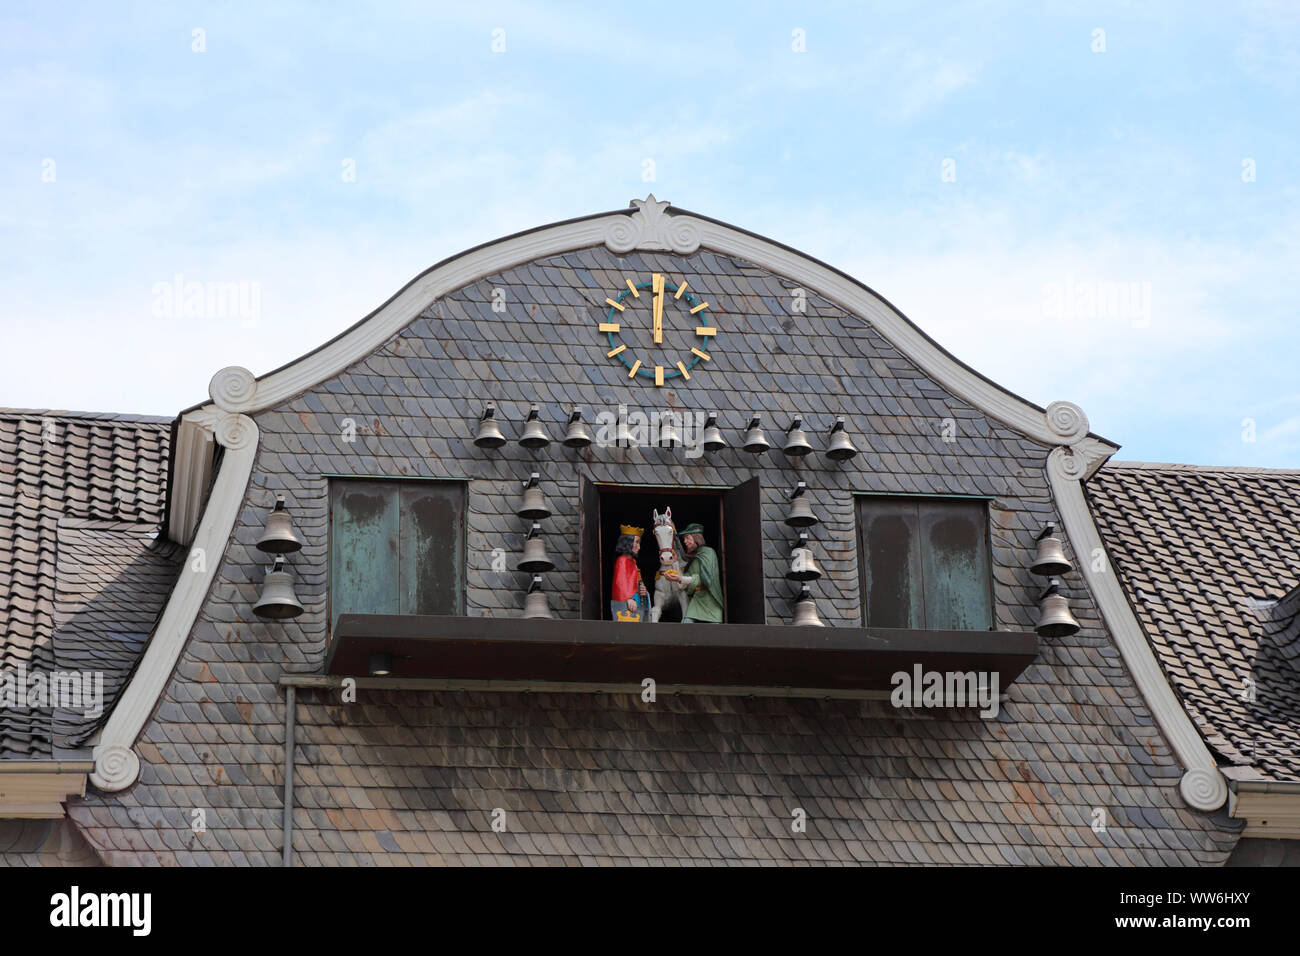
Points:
x=658, y=286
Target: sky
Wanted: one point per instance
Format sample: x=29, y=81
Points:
x=1088, y=202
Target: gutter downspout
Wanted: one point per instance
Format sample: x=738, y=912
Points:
x=290, y=705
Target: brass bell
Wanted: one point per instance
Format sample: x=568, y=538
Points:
x=535, y=603
x=805, y=610
x=533, y=506
x=278, y=536
x=1056, y=619
x=840, y=447
x=1050, y=560
x=800, y=514
x=534, y=435
x=668, y=437
x=489, y=432
x=796, y=442
x=755, y=440
x=535, y=558
x=278, y=602
x=802, y=565
x=577, y=435
x=713, y=440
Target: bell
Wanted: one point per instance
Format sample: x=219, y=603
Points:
x=489, y=432
x=1050, y=560
x=755, y=440
x=1056, y=619
x=577, y=435
x=278, y=601
x=277, y=536
x=668, y=437
x=796, y=442
x=713, y=440
x=535, y=558
x=800, y=514
x=840, y=447
x=535, y=604
x=533, y=507
x=805, y=610
x=534, y=435
x=802, y=565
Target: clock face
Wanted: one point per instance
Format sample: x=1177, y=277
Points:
x=658, y=328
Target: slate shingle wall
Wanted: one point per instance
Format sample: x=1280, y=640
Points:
x=413, y=776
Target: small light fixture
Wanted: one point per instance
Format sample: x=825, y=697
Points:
x=381, y=664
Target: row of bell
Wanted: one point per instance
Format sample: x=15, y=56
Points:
x=578, y=435
x=278, y=602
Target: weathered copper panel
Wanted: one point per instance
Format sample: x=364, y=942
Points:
x=955, y=564
x=892, y=594
x=363, y=548
x=431, y=548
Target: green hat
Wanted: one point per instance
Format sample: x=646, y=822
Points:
x=695, y=528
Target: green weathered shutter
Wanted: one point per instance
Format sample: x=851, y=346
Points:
x=955, y=565
x=363, y=548
x=890, y=555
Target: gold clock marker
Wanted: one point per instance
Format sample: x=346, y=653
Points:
x=686, y=376
x=659, y=374
x=703, y=355
x=705, y=330
x=680, y=289
x=632, y=288
x=612, y=352
x=608, y=326
x=635, y=365
x=701, y=306
x=618, y=305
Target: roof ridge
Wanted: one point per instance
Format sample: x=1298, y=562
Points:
x=97, y=416
x=1178, y=466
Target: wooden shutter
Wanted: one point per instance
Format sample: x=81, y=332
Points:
x=589, y=563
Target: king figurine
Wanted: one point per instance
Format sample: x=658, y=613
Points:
x=629, y=597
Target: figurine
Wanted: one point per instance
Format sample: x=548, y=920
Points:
x=701, y=580
x=670, y=565
x=630, y=598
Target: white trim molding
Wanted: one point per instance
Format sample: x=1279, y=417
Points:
x=1203, y=785
x=116, y=765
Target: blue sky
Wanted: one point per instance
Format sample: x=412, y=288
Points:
x=1158, y=177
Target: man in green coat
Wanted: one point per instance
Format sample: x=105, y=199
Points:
x=701, y=580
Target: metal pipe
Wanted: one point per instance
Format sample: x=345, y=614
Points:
x=287, y=826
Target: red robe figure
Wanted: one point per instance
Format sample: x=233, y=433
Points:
x=629, y=599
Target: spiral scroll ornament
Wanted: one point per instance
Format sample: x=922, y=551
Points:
x=1064, y=464
x=233, y=389
x=1203, y=789
x=1067, y=422
x=116, y=768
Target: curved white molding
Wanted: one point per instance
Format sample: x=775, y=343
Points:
x=116, y=764
x=1202, y=785
x=233, y=389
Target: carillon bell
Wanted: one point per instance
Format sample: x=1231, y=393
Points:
x=1050, y=560
x=533, y=506
x=840, y=448
x=668, y=436
x=535, y=603
x=755, y=440
x=796, y=442
x=713, y=440
x=805, y=610
x=577, y=435
x=534, y=435
x=278, y=602
x=535, y=558
x=489, y=432
x=800, y=514
x=278, y=536
x=1056, y=619
x=802, y=565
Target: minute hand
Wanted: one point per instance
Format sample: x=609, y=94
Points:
x=659, y=308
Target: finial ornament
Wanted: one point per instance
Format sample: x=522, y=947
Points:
x=651, y=227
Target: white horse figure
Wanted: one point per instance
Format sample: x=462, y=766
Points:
x=670, y=563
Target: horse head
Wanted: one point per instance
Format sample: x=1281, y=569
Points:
x=665, y=533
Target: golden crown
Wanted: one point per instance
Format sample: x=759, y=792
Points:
x=631, y=529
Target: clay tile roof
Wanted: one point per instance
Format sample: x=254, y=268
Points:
x=81, y=580
x=1210, y=559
